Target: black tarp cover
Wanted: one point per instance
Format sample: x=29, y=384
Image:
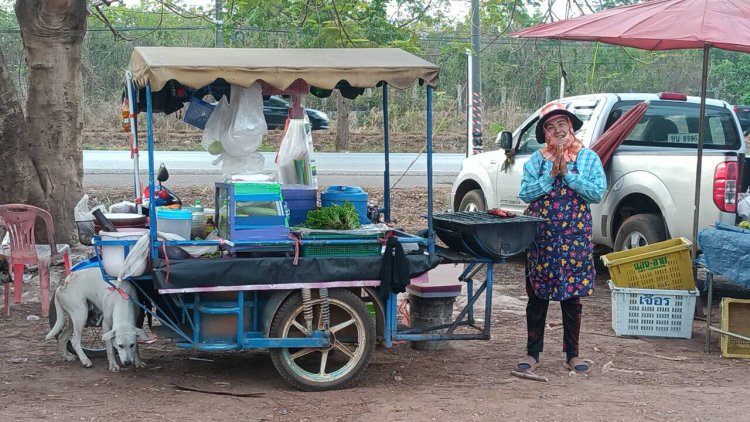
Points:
x=230, y=272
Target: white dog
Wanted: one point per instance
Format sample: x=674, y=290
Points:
x=119, y=315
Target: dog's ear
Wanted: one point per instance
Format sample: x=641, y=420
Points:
x=140, y=333
x=109, y=335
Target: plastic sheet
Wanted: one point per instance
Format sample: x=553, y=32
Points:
x=726, y=251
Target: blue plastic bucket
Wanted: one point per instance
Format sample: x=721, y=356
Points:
x=299, y=199
x=337, y=195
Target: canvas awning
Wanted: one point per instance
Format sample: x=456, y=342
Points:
x=319, y=67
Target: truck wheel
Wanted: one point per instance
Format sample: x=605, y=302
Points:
x=473, y=201
x=640, y=230
x=352, y=332
x=91, y=338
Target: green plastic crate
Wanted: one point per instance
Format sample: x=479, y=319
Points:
x=348, y=249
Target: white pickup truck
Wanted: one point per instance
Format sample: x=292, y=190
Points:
x=650, y=179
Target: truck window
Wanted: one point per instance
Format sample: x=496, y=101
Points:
x=668, y=123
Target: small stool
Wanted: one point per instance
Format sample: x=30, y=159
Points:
x=431, y=304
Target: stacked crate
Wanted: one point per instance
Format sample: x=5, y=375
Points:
x=653, y=291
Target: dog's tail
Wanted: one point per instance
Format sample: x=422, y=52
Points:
x=59, y=321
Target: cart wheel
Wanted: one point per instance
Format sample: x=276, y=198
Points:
x=318, y=369
x=91, y=338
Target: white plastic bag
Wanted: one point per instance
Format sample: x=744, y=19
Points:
x=295, y=156
x=247, y=125
x=743, y=207
x=248, y=164
x=82, y=212
x=215, y=126
x=137, y=258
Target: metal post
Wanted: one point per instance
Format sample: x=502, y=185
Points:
x=710, y=282
x=387, y=171
x=699, y=165
x=134, y=136
x=219, y=25
x=430, y=233
x=151, y=193
x=469, y=142
x=476, y=80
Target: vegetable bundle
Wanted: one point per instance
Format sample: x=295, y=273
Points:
x=335, y=217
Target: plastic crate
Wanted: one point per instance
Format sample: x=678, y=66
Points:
x=735, y=318
x=652, y=312
x=663, y=265
x=342, y=249
x=198, y=113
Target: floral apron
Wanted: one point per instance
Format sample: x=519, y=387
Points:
x=560, y=262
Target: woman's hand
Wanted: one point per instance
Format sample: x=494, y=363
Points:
x=563, y=165
x=555, y=166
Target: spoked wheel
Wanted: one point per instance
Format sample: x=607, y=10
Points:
x=352, y=334
x=91, y=338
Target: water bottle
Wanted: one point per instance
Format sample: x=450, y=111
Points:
x=198, y=226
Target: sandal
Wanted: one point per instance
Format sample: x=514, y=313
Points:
x=527, y=364
x=578, y=365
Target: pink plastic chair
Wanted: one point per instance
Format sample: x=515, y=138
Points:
x=20, y=220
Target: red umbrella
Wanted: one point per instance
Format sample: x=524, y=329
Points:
x=663, y=25
x=606, y=145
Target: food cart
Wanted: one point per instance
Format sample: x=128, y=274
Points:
x=319, y=316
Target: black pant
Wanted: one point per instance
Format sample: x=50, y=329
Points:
x=536, y=316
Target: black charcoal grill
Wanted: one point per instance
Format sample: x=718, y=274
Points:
x=485, y=236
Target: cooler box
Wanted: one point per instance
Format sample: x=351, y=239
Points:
x=299, y=200
x=337, y=195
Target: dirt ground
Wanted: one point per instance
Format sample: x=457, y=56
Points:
x=632, y=378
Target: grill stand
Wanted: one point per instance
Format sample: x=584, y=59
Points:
x=465, y=318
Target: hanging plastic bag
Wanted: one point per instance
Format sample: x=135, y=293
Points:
x=215, y=126
x=296, y=158
x=247, y=125
x=137, y=259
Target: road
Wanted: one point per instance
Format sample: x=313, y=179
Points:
x=114, y=168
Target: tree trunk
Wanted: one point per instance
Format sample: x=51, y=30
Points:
x=19, y=181
x=342, y=123
x=53, y=32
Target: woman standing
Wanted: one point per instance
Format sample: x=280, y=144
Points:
x=559, y=183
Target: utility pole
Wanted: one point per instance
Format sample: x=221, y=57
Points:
x=476, y=81
x=219, y=25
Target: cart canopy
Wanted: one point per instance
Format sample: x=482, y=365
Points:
x=319, y=67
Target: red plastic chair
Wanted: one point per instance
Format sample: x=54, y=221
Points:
x=20, y=221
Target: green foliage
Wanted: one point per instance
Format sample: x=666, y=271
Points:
x=516, y=71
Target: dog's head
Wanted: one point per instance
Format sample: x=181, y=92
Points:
x=124, y=339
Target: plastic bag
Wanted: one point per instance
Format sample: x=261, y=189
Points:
x=215, y=126
x=248, y=164
x=193, y=251
x=136, y=259
x=247, y=123
x=82, y=212
x=743, y=206
x=295, y=156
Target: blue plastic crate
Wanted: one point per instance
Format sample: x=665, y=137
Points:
x=198, y=113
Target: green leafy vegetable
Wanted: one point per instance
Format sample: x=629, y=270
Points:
x=335, y=217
